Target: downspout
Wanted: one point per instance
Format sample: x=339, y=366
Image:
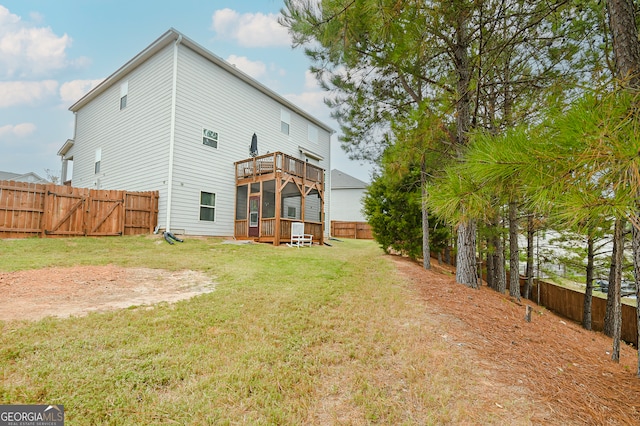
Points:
x=172, y=135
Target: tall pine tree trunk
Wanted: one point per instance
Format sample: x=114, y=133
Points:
x=586, y=310
x=530, y=234
x=626, y=49
x=514, y=251
x=613, y=314
x=499, y=271
x=426, y=251
x=615, y=278
x=635, y=232
x=466, y=266
x=490, y=272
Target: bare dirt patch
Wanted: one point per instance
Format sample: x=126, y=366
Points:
x=76, y=291
x=564, y=370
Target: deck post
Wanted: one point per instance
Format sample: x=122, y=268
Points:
x=276, y=228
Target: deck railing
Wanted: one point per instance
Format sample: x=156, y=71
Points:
x=278, y=162
x=267, y=229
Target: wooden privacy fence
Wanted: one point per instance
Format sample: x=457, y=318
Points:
x=569, y=303
x=48, y=210
x=357, y=230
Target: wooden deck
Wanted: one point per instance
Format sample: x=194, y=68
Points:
x=287, y=172
x=278, y=164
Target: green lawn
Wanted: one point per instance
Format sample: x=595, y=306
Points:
x=321, y=335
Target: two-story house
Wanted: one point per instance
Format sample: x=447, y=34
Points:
x=228, y=155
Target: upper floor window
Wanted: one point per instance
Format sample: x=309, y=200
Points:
x=210, y=138
x=124, y=90
x=285, y=121
x=312, y=133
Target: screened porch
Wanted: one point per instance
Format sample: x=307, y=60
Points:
x=272, y=192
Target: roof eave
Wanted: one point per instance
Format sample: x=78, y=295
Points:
x=172, y=35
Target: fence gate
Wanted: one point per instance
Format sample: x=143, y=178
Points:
x=81, y=211
x=105, y=213
x=64, y=208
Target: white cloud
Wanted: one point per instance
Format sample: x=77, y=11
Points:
x=72, y=91
x=28, y=51
x=19, y=130
x=26, y=92
x=250, y=29
x=255, y=69
x=310, y=81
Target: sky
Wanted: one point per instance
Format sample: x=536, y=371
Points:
x=52, y=52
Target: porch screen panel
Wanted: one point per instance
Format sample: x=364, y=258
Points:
x=241, y=202
x=269, y=199
x=312, y=206
x=291, y=202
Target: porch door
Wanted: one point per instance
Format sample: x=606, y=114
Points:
x=254, y=216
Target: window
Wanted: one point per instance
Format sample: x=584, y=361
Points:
x=210, y=138
x=124, y=90
x=291, y=212
x=96, y=164
x=312, y=133
x=207, y=206
x=285, y=120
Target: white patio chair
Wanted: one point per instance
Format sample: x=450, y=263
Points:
x=298, y=237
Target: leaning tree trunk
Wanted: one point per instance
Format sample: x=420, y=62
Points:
x=426, y=251
x=514, y=252
x=530, y=234
x=586, y=310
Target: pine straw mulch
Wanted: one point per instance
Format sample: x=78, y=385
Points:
x=564, y=370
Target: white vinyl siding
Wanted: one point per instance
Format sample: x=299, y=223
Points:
x=138, y=136
x=346, y=204
x=312, y=134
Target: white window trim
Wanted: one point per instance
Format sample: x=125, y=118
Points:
x=212, y=207
x=210, y=137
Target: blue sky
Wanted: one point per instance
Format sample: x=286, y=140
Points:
x=53, y=51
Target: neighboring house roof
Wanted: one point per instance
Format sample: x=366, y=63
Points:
x=24, y=177
x=171, y=36
x=341, y=180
